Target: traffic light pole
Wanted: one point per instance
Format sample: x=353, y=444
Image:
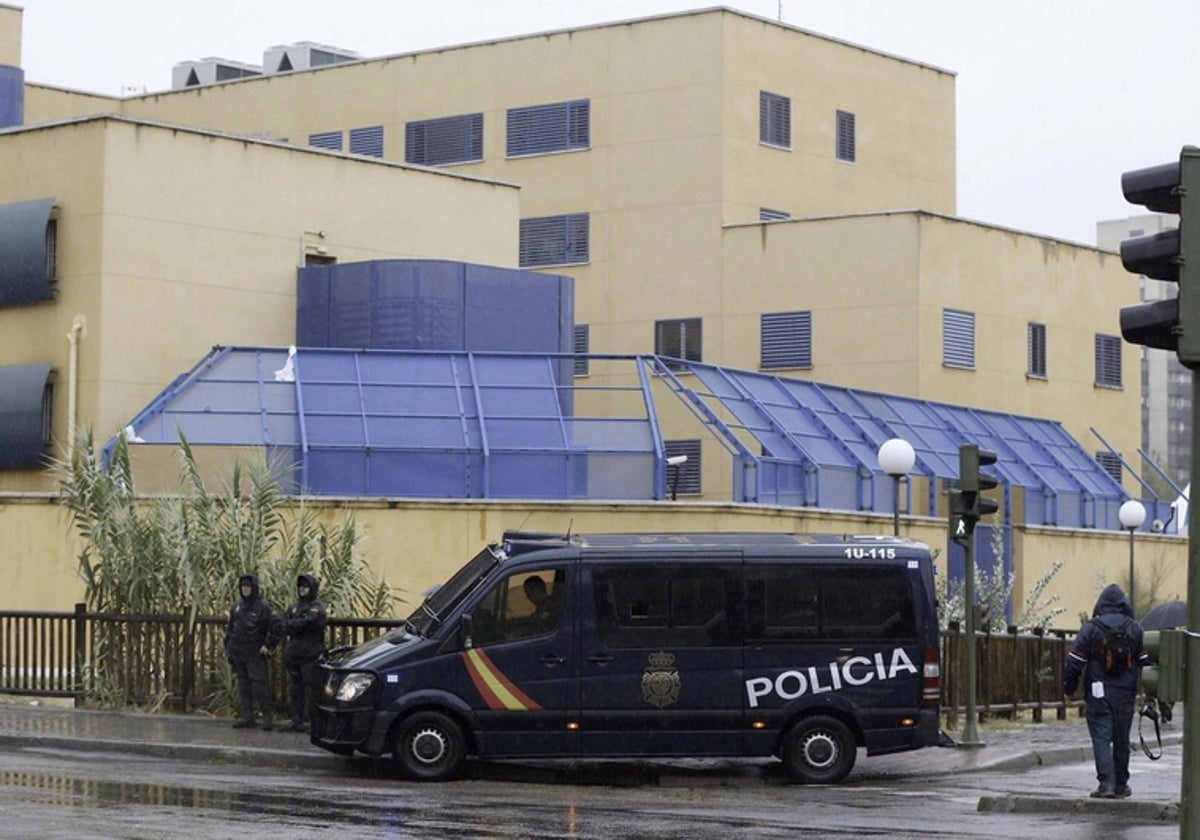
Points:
x=1189, y=794
x=970, y=735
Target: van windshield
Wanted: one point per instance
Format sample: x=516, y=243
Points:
x=434, y=609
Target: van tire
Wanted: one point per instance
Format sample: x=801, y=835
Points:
x=429, y=747
x=819, y=750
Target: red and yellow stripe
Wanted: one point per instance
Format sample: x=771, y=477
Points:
x=498, y=691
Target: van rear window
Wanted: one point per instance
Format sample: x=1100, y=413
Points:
x=829, y=603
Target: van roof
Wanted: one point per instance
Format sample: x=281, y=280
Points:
x=519, y=542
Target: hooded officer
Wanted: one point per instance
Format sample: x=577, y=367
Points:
x=247, y=643
x=304, y=624
x=1110, y=690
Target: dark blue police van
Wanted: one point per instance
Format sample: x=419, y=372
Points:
x=799, y=646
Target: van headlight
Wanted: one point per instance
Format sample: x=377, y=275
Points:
x=354, y=686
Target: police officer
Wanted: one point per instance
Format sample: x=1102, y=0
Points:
x=304, y=624
x=247, y=643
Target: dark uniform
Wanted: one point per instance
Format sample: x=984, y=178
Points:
x=247, y=641
x=1109, y=699
x=304, y=624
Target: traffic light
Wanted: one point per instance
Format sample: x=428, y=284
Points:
x=972, y=483
x=1173, y=256
x=1164, y=679
x=968, y=503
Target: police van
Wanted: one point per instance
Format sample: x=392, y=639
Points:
x=804, y=647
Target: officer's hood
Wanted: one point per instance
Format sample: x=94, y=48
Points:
x=251, y=579
x=313, y=585
x=1113, y=600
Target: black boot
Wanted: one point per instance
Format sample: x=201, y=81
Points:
x=268, y=724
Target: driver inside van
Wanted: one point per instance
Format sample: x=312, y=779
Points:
x=546, y=606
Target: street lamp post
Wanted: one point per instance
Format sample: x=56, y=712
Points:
x=896, y=458
x=1132, y=514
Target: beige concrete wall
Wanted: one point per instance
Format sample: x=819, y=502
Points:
x=904, y=121
x=417, y=544
x=674, y=141
x=877, y=286
x=172, y=241
x=10, y=35
x=50, y=104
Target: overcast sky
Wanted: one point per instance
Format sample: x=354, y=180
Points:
x=1055, y=97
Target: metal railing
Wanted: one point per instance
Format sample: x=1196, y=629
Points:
x=163, y=660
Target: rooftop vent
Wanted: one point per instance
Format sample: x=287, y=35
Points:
x=304, y=55
x=209, y=71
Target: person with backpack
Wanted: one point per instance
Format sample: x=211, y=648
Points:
x=1107, y=654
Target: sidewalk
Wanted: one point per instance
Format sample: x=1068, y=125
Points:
x=1008, y=746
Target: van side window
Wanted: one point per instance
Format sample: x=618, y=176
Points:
x=829, y=603
x=686, y=605
x=520, y=606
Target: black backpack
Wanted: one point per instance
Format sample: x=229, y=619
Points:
x=1116, y=650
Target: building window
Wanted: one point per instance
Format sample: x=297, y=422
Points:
x=1108, y=361
x=774, y=120
x=330, y=140
x=680, y=339
x=1110, y=462
x=582, y=343
x=958, y=338
x=48, y=415
x=52, y=250
x=766, y=214
x=367, y=141
x=689, y=471
x=445, y=140
x=845, y=137
x=554, y=240
x=540, y=129
x=1037, y=351
x=786, y=340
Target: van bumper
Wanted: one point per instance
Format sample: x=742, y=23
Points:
x=881, y=741
x=347, y=731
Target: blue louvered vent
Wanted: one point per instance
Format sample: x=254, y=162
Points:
x=539, y=129
x=786, y=340
x=958, y=338
x=554, y=240
x=457, y=139
x=846, y=137
x=775, y=119
x=582, y=343
x=331, y=140
x=1108, y=361
x=367, y=141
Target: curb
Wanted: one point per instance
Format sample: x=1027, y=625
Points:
x=251, y=756
x=1127, y=809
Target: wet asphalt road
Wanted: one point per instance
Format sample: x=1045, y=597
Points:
x=50, y=792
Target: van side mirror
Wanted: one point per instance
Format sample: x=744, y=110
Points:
x=464, y=630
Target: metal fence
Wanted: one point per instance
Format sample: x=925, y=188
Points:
x=163, y=660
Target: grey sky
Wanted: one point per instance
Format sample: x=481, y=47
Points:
x=1055, y=98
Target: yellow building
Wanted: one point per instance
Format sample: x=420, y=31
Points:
x=721, y=187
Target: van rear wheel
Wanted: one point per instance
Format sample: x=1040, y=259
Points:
x=819, y=750
x=429, y=747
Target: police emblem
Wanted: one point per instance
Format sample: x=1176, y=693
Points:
x=660, y=681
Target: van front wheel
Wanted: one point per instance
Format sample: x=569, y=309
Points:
x=819, y=750
x=429, y=747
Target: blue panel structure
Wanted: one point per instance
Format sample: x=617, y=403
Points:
x=12, y=96
x=433, y=305
x=408, y=423
x=23, y=416
x=24, y=267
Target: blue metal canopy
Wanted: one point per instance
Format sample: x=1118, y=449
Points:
x=456, y=424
